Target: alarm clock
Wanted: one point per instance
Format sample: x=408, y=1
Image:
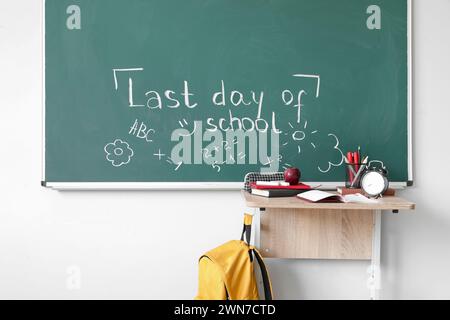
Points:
x=374, y=181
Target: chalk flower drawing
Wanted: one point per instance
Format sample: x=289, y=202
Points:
x=118, y=153
x=338, y=156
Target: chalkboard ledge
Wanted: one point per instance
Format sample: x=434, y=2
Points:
x=214, y=186
x=143, y=185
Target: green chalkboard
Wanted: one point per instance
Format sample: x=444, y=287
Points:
x=208, y=90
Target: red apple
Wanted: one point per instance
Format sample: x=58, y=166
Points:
x=292, y=175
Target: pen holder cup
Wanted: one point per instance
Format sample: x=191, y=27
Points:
x=353, y=174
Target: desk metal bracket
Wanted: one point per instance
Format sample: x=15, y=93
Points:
x=374, y=270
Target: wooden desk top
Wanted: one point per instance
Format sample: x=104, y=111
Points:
x=386, y=203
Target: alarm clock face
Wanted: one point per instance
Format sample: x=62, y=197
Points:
x=373, y=183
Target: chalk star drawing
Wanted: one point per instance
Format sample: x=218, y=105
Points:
x=119, y=153
x=271, y=160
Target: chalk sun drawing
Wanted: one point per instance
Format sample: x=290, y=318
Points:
x=119, y=153
x=299, y=136
x=304, y=138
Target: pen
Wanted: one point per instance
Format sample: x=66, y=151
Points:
x=356, y=160
x=359, y=155
x=350, y=166
x=361, y=169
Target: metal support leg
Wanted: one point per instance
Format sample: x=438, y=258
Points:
x=256, y=227
x=256, y=236
x=374, y=281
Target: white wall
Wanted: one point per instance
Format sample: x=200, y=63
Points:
x=117, y=238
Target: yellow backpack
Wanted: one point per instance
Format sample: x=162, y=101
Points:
x=227, y=272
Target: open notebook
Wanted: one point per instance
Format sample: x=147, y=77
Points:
x=318, y=196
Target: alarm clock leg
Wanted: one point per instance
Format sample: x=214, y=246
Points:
x=374, y=281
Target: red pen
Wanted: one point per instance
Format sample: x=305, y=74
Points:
x=356, y=160
x=350, y=164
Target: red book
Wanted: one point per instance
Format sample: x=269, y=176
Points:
x=345, y=191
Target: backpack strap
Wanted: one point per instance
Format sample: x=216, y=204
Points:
x=265, y=275
x=247, y=230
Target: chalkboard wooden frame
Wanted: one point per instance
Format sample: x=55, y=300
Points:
x=216, y=185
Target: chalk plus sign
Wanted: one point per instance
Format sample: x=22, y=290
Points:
x=159, y=154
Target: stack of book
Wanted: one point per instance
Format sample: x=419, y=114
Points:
x=274, y=189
